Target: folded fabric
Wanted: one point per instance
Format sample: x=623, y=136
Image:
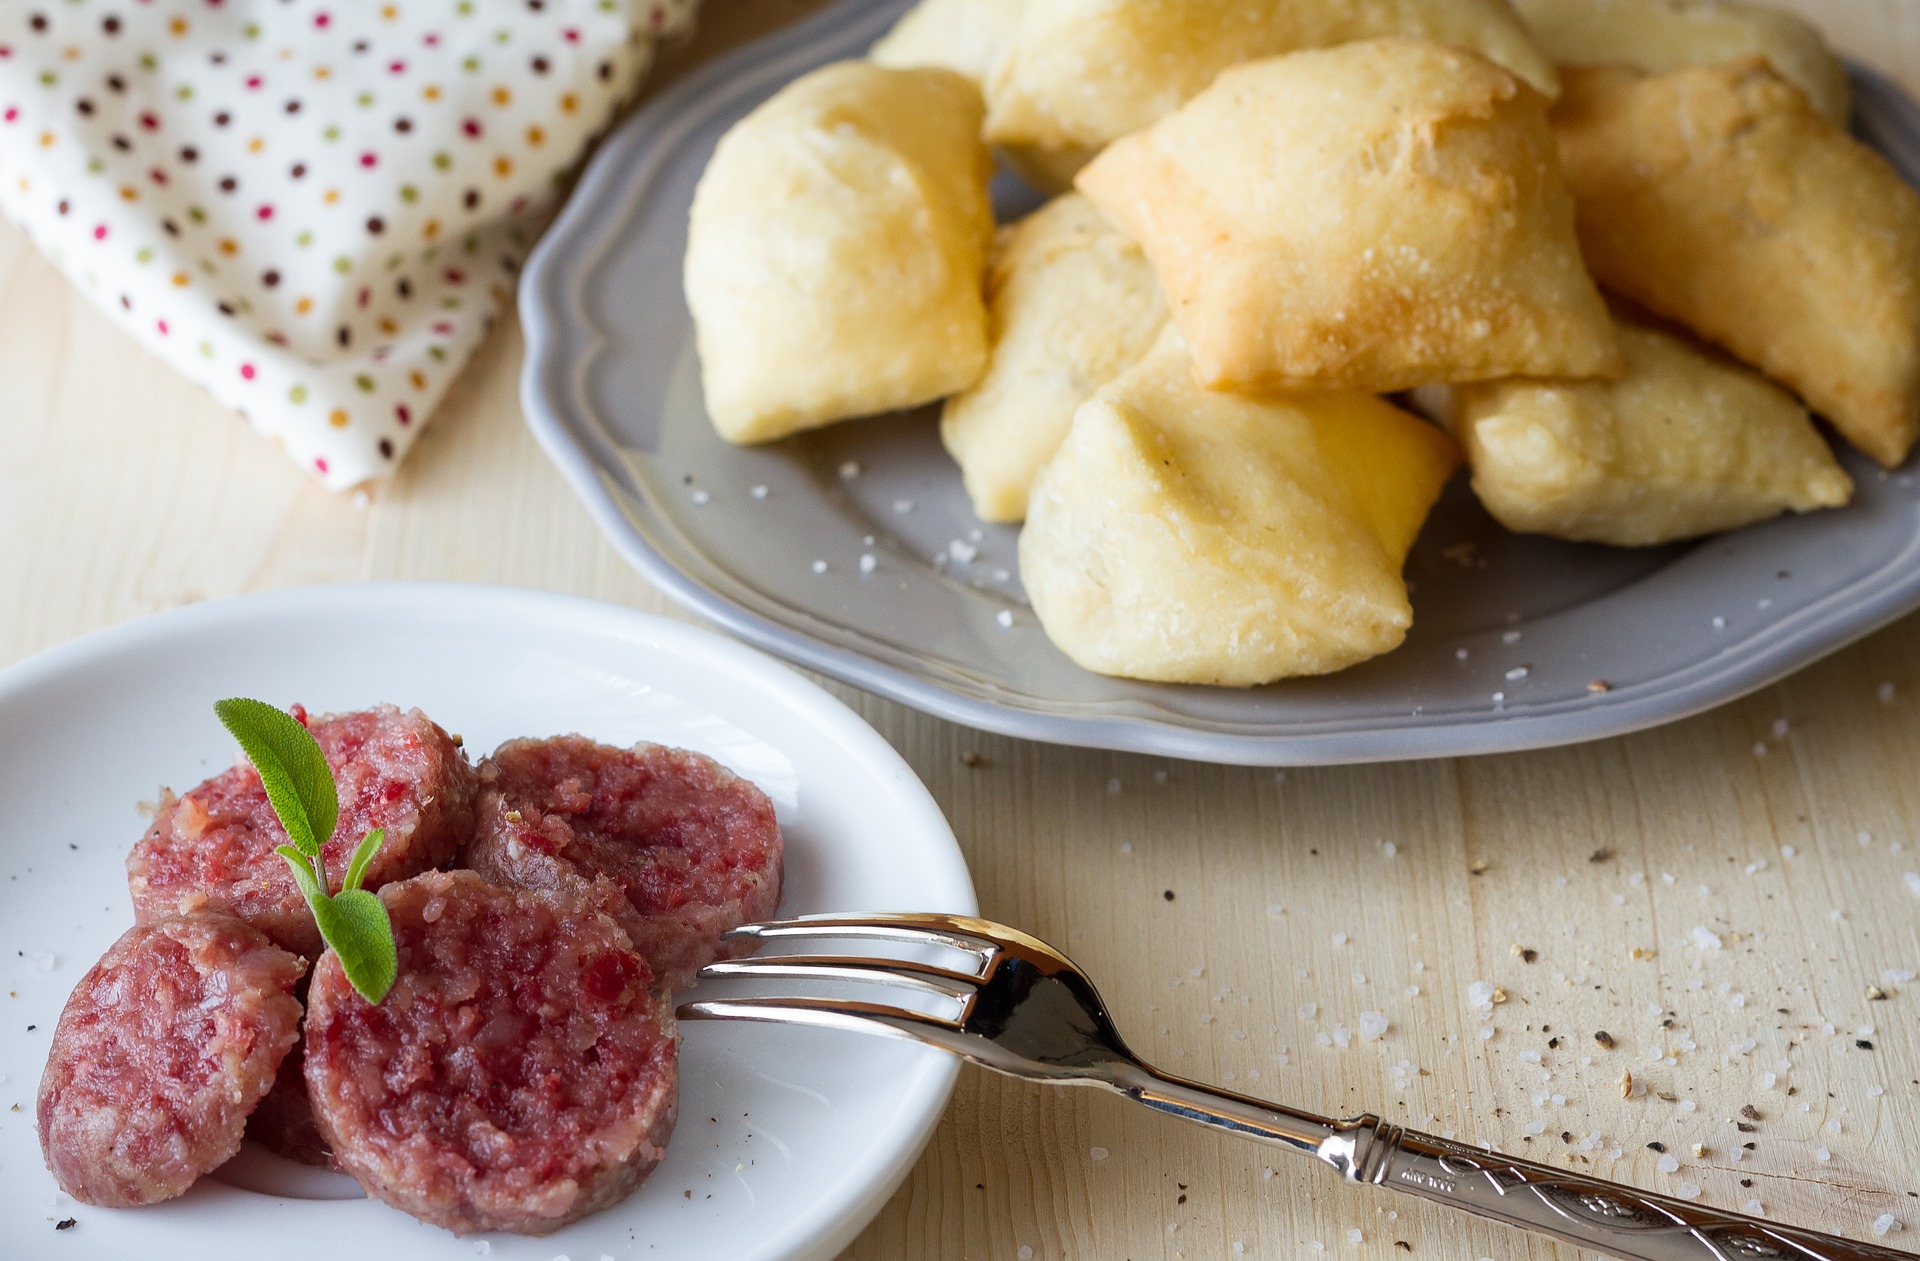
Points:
x=316, y=208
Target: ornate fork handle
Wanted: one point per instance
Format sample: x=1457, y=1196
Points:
x=1604, y=1216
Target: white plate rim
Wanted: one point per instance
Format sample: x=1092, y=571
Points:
x=836, y=1219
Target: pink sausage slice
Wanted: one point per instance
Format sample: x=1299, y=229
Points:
x=162, y=1051
x=212, y=848
x=521, y=1074
x=681, y=848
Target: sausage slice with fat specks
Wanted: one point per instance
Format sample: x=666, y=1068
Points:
x=522, y=1072
x=212, y=848
x=162, y=1051
x=680, y=848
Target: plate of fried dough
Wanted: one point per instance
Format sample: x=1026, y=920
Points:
x=1279, y=383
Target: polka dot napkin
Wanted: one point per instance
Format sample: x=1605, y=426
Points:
x=314, y=208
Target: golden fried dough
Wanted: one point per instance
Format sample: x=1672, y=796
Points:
x=966, y=36
x=962, y=35
x=1086, y=72
x=1189, y=536
x=1718, y=197
x=836, y=248
x=1661, y=35
x=1687, y=443
x=1071, y=304
x=1369, y=217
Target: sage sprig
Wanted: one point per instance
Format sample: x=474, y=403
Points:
x=300, y=788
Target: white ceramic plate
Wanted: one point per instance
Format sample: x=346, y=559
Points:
x=788, y=1141
x=1508, y=632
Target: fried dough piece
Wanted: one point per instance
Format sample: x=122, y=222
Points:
x=1717, y=197
x=1071, y=304
x=966, y=36
x=962, y=35
x=1188, y=536
x=835, y=251
x=1662, y=35
x=1687, y=443
x=1370, y=217
x=1086, y=72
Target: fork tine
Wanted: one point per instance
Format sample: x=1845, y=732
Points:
x=831, y=1013
x=920, y=977
x=917, y=930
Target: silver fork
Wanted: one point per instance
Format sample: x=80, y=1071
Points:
x=1020, y=1007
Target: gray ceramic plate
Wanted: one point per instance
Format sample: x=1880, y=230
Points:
x=852, y=550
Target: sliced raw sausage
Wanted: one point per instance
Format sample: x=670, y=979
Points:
x=521, y=1074
x=213, y=847
x=162, y=1051
x=690, y=848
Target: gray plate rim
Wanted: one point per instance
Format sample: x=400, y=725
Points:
x=562, y=342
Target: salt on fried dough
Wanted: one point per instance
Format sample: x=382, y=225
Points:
x=1071, y=303
x=835, y=251
x=1720, y=198
x=962, y=35
x=1370, y=217
x=1662, y=35
x=1687, y=443
x=1188, y=536
x=1086, y=72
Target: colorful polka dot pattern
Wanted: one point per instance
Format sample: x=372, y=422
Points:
x=313, y=208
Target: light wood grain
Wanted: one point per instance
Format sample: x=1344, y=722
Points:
x=124, y=491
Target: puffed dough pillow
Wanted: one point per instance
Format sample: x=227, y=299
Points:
x=1687, y=443
x=1086, y=72
x=1661, y=35
x=836, y=248
x=1719, y=197
x=1187, y=536
x=967, y=36
x=1370, y=217
x=962, y=35
x=1071, y=303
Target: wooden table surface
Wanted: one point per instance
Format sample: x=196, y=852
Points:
x=1717, y=896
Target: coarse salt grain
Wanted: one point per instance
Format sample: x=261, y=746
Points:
x=1779, y=728
x=758, y=492
x=1822, y=1154
x=1510, y=637
x=1885, y=1223
x=1886, y=693
x=1354, y=1235
x=819, y=567
x=1339, y=939
x=1480, y=994
x=962, y=551
x=1687, y=1190
x=1913, y=882
x=1705, y=938
x=700, y=498
x=1719, y=623
x=1373, y=1026
x=868, y=562
x=1004, y=618
x=1788, y=851
x=1534, y=1127
x=1025, y=1253
x=1668, y=1164
x=1516, y=674
x=1752, y=1208
x=1099, y=1153
x=849, y=470
x=902, y=507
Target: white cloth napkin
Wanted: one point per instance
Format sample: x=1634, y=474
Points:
x=314, y=208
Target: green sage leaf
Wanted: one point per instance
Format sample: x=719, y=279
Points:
x=298, y=780
x=369, y=846
x=355, y=924
x=302, y=873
